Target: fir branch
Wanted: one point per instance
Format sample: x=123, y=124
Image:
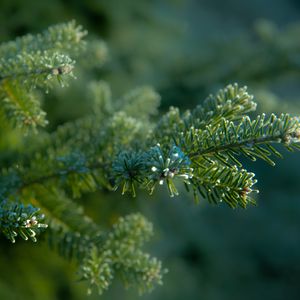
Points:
x=36, y=69
x=120, y=255
x=230, y=103
x=20, y=108
x=247, y=138
x=62, y=38
x=76, y=169
x=60, y=211
x=127, y=170
x=218, y=183
x=107, y=130
x=93, y=248
x=73, y=177
x=19, y=220
x=167, y=165
x=197, y=149
x=193, y=154
x=36, y=61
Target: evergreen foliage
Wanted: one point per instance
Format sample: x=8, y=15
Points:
x=17, y=219
x=121, y=145
x=32, y=62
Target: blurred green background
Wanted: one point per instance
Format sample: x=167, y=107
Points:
x=186, y=49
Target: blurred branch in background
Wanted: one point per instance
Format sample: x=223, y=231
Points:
x=267, y=59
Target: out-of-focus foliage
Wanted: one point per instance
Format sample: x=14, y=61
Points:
x=187, y=49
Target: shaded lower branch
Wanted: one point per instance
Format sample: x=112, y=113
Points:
x=42, y=179
x=60, y=70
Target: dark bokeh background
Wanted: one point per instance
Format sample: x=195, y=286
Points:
x=186, y=49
